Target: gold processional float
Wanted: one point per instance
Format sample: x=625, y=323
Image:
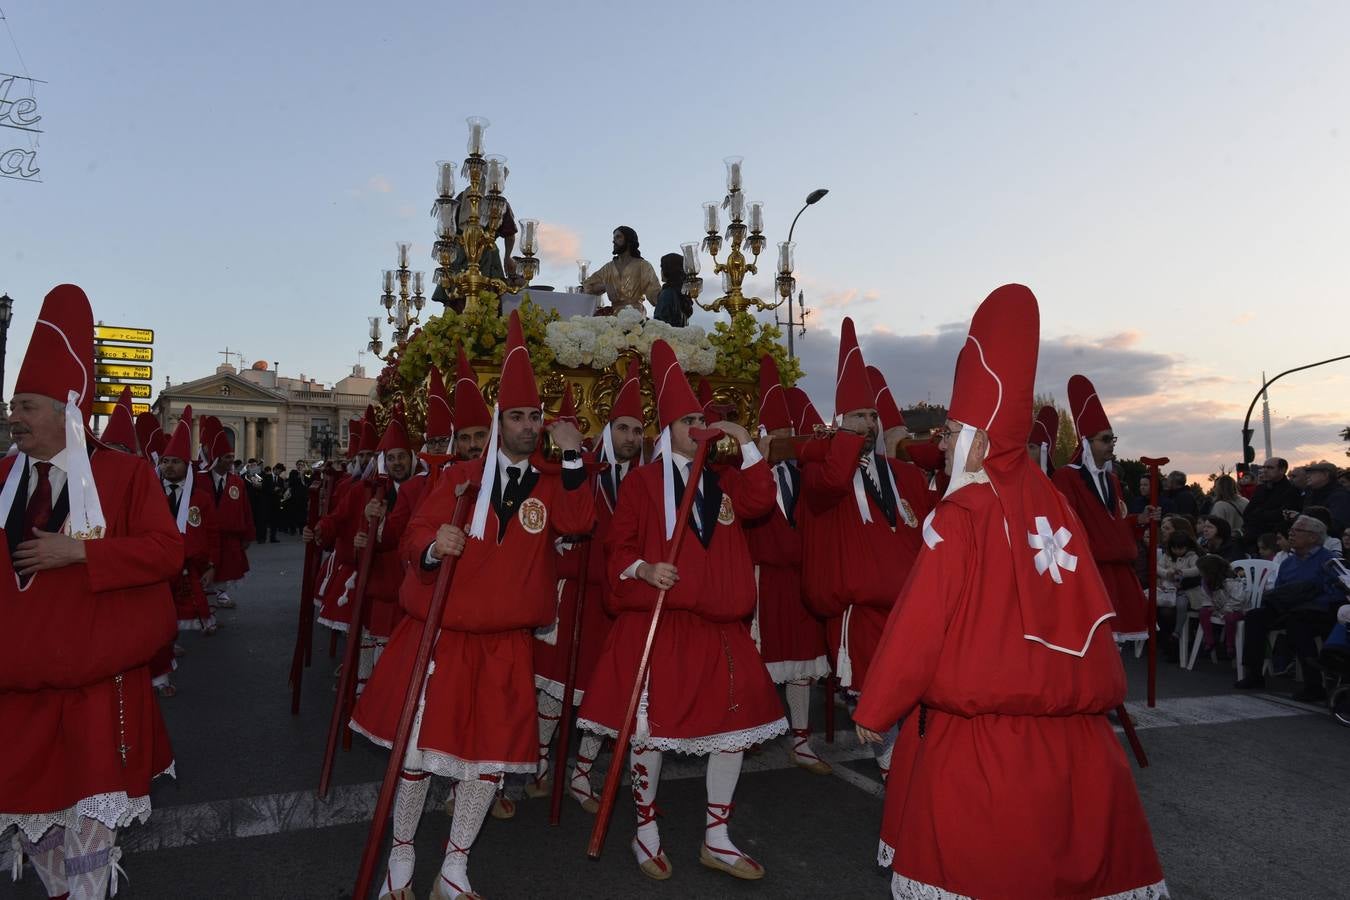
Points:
x=591, y=353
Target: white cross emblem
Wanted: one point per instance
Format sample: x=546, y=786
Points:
x=1051, y=545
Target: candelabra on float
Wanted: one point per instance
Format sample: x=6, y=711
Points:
x=402, y=310
x=470, y=227
x=746, y=229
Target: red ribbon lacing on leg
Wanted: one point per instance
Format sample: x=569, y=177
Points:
x=800, y=745
x=723, y=818
x=582, y=771
x=646, y=814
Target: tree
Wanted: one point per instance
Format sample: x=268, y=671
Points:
x=1066, y=441
x=1345, y=436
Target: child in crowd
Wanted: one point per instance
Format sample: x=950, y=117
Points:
x=1219, y=594
x=1268, y=545
x=1176, y=573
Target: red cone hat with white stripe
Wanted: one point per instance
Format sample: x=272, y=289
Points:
x=674, y=397
x=852, y=390
x=773, y=406
x=470, y=409
x=887, y=410
x=121, y=428
x=180, y=445
x=439, y=421
x=60, y=356
x=518, y=389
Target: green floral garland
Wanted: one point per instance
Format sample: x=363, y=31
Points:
x=741, y=342
x=481, y=332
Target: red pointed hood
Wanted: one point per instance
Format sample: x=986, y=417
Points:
x=395, y=434
x=628, y=402
x=887, y=410
x=180, y=445
x=517, y=389
x=370, y=432
x=567, y=407
x=711, y=412
x=805, y=418
x=1089, y=416
x=674, y=398
x=220, y=441
x=353, y=437
x=147, y=427
x=1060, y=596
x=121, y=426
x=1046, y=426
x=773, y=405
x=852, y=391
x=60, y=355
x=471, y=411
x=440, y=423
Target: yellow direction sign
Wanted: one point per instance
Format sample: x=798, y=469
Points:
x=103, y=408
x=114, y=390
x=114, y=370
x=127, y=354
x=125, y=335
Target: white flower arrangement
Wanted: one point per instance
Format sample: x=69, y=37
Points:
x=597, y=341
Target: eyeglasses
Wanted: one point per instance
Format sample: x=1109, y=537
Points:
x=1107, y=439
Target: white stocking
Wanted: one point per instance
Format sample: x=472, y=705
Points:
x=724, y=770
x=473, y=799
x=370, y=648
x=550, y=712
x=799, y=703
x=580, y=784
x=91, y=860
x=408, y=803
x=645, y=771
x=47, y=857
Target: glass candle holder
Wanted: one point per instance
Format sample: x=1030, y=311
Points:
x=756, y=218
x=445, y=178
x=388, y=281
x=733, y=173
x=583, y=270
x=495, y=178
x=403, y=253
x=691, y=261
x=477, y=125
x=417, y=282
x=374, y=328
x=529, y=229
x=710, y=217
x=786, y=257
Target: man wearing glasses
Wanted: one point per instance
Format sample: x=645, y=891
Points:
x=1304, y=601
x=1274, y=496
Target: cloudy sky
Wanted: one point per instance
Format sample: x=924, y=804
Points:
x=1170, y=179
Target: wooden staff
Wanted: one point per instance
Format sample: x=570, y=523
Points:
x=330, y=480
x=304, y=631
x=1153, y=466
x=351, y=657
x=703, y=438
x=569, y=685
x=403, y=733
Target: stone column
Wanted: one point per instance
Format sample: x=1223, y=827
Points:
x=250, y=438
x=273, y=442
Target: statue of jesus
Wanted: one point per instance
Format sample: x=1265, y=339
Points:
x=627, y=278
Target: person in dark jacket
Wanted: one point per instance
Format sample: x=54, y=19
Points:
x=672, y=306
x=1179, y=495
x=1274, y=496
x=1324, y=490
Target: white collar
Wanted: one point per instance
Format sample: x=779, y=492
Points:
x=59, y=461
x=504, y=462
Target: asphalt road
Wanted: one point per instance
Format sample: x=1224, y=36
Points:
x=1245, y=793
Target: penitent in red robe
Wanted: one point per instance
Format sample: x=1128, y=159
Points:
x=707, y=686
x=234, y=522
x=1114, y=543
x=201, y=543
x=479, y=713
x=853, y=570
x=74, y=648
x=1007, y=780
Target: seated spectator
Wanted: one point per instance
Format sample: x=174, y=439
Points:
x=1228, y=503
x=1135, y=505
x=1303, y=601
x=1323, y=515
x=1179, y=494
x=1216, y=537
x=1267, y=546
x=1274, y=496
x=1177, y=574
x=1323, y=490
x=1220, y=593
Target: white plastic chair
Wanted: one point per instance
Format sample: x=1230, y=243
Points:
x=1254, y=573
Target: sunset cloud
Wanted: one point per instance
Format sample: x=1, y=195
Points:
x=558, y=244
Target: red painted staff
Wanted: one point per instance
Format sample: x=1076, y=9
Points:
x=351, y=657
x=703, y=438
x=403, y=733
x=569, y=685
x=304, y=633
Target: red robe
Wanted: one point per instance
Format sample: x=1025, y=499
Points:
x=66, y=638
x=201, y=543
x=337, y=531
x=850, y=567
x=479, y=714
x=551, y=657
x=1112, y=537
x=1009, y=783
x=791, y=638
x=387, y=566
x=707, y=686
x=234, y=521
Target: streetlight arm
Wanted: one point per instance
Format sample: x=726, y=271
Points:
x=1247, y=420
x=794, y=220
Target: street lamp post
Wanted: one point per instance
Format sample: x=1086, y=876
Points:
x=6, y=312
x=1248, y=453
x=811, y=199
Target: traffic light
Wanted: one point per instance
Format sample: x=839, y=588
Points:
x=1248, y=453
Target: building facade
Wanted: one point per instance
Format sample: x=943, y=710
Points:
x=268, y=417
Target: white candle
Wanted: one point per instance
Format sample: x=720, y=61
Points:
x=756, y=217
x=583, y=269
x=388, y=281
x=710, y=224
x=737, y=209
x=445, y=178
x=785, y=258
x=374, y=329
x=476, y=126
x=445, y=218
x=403, y=254
x=494, y=174
x=733, y=173
x=690, y=258
x=417, y=282
x=528, y=230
